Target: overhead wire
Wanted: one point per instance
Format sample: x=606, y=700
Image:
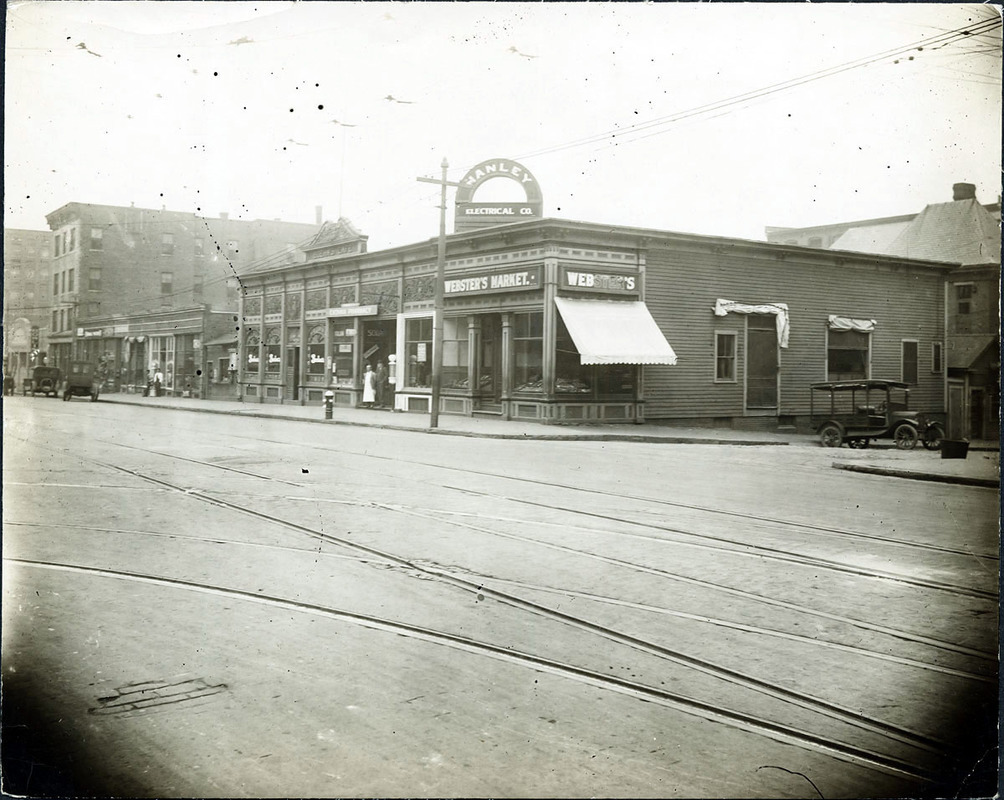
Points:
x=626, y=134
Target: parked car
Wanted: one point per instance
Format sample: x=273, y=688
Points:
x=44, y=380
x=856, y=412
x=82, y=380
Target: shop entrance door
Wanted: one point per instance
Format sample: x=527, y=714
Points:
x=761, y=362
x=293, y=373
x=490, y=364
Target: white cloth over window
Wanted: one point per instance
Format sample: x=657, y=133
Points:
x=779, y=310
x=850, y=324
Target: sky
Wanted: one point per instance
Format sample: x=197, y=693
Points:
x=713, y=118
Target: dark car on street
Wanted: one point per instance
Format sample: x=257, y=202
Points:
x=44, y=380
x=83, y=379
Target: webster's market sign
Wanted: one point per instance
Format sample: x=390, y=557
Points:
x=483, y=282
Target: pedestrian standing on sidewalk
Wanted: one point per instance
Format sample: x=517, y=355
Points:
x=158, y=383
x=369, y=387
x=380, y=385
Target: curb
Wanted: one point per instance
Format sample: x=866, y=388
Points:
x=985, y=483
x=544, y=437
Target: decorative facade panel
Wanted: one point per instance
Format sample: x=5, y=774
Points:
x=421, y=288
x=273, y=304
x=293, y=306
x=317, y=299
x=252, y=307
x=343, y=294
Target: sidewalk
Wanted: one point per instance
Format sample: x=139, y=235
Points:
x=980, y=468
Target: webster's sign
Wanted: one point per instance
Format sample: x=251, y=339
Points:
x=598, y=282
x=484, y=282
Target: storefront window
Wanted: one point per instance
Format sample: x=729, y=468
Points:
x=418, y=348
x=455, y=352
x=341, y=349
x=570, y=376
x=273, y=358
x=528, y=352
x=588, y=380
x=162, y=358
x=252, y=348
x=315, y=359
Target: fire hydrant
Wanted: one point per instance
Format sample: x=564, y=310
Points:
x=329, y=403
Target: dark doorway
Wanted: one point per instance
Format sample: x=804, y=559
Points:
x=761, y=362
x=379, y=342
x=490, y=363
x=293, y=373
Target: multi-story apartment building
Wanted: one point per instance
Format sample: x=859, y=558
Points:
x=27, y=261
x=139, y=287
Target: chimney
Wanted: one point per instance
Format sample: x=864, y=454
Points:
x=318, y=214
x=963, y=191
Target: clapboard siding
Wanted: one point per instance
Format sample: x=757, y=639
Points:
x=682, y=284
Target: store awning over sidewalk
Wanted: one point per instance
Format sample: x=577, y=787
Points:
x=614, y=332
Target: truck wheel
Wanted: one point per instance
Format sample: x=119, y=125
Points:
x=830, y=436
x=905, y=437
x=933, y=436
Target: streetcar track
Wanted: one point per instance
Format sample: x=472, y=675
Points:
x=803, y=527
x=750, y=550
x=184, y=537
x=890, y=731
x=896, y=633
x=903, y=635
x=814, y=641
x=693, y=707
x=737, y=626
x=753, y=550
x=832, y=710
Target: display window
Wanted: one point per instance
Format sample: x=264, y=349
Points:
x=315, y=359
x=273, y=358
x=456, y=349
x=590, y=381
x=342, y=371
x=315, y=350
x=418, y=350
x=528, y=351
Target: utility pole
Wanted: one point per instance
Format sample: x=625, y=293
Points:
x=437, y=318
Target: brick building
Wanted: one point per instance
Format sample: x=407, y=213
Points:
x=27, y=263
x=138, y=286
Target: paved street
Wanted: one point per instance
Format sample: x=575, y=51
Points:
x=218, y=605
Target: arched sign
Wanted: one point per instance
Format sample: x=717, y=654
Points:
x=472, y=215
